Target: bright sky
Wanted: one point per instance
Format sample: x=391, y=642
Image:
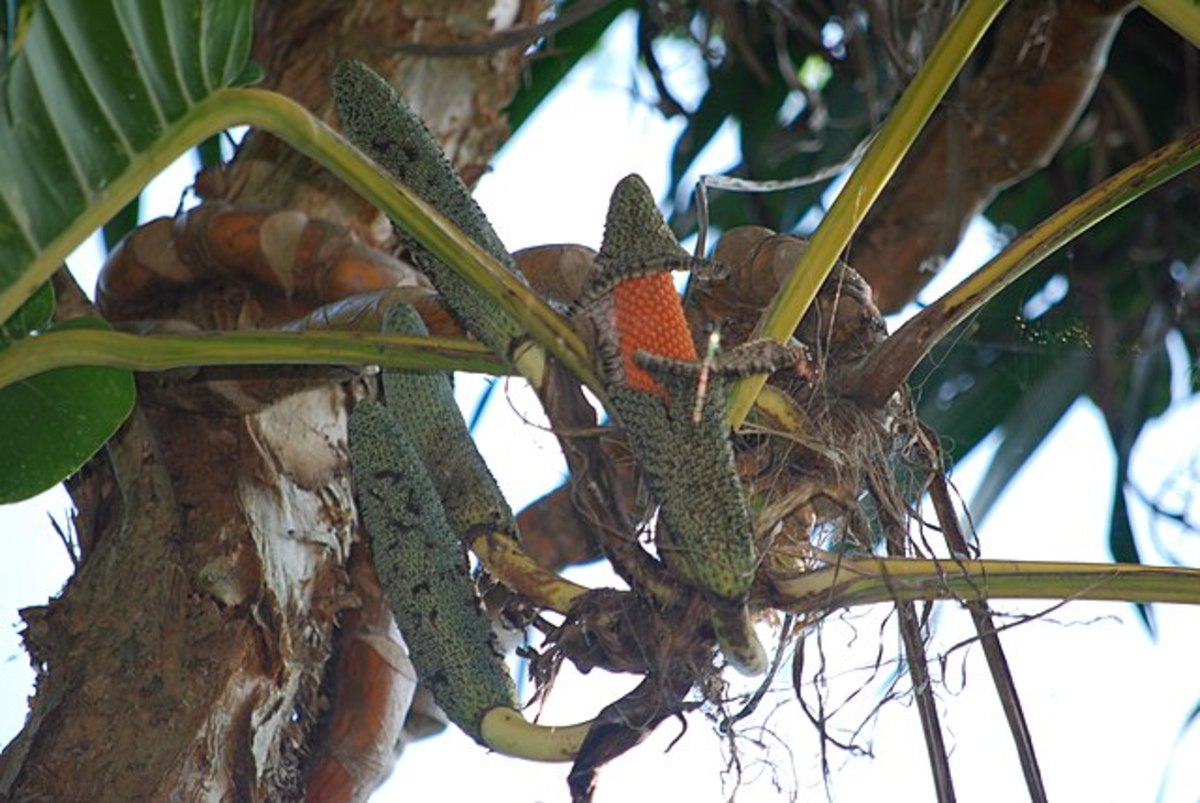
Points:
x=1106, y=704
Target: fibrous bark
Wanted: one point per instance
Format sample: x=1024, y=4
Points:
x=223, y=637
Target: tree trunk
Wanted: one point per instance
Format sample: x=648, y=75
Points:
x=224, y=637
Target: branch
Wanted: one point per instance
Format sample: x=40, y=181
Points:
x=864, y=581
x=883, y=371
x=57, y=349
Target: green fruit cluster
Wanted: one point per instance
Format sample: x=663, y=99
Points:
x=424, y=571
x=380, y=124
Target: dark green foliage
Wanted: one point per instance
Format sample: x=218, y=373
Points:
x=91, y=91
x=209, y=152
x=124, y=222
x=566, y=48
x=35, y=314
x=93, y=87
x=761, y=102
x=58, y=419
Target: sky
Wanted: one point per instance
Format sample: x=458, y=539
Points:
x=1107, y=704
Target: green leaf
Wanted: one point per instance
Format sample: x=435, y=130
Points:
x=97, y=88
x=719, y=103
x=252, y=73
x=52, y=423
x=1122, y=544
x=122, y=223
x=34, y=314
x=1030, y=419
x=209, y=152
x=568, y=46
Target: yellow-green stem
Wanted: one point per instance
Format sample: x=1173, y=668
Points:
x=289, y=121
x=34, y=355
x=293, y=124
x=504, y=559
x=508, y=733
x=866, y=182
x=1182, y=16
x=863, y=581
x=885, y=369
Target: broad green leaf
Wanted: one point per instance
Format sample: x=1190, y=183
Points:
x=95, y=90
x=34, y=314
x=55, y=421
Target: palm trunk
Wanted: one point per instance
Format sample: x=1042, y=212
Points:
x=224, y=637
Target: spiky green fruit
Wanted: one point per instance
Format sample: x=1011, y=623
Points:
x=382, y=125
x=424, y=571
x=423, y=403
x=704, y=533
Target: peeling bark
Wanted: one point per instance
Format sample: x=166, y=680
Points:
x=219, y=641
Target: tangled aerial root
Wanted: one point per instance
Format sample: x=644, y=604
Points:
x=826, y=475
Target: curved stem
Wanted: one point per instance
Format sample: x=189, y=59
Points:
x=57, y=349
x=863, y=581
x=504, y=559
x=865, y=183
x=292, y=123
x=506, y=731
x=882, y=372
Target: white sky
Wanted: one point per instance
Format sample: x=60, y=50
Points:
x=1105, y=703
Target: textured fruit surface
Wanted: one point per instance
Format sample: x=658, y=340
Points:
x=649, y=318
x=384, y=127
x=704, y=530
x=424, y=570
x=423, y=404
x=704, y=533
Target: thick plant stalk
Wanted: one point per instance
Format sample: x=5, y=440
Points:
x=34, y=355
x=864, y=581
